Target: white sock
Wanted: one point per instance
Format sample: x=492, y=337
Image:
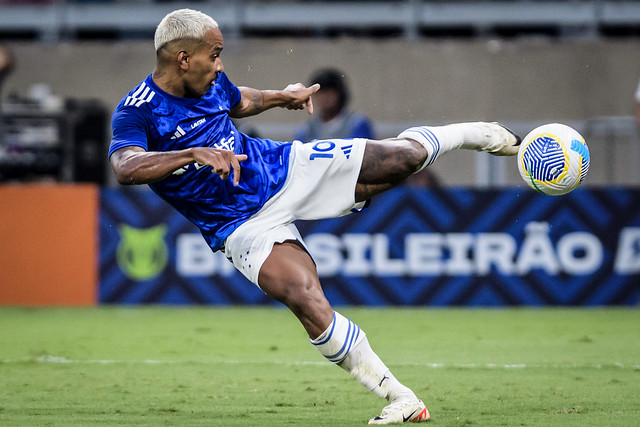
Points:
x=366, y=367
x=338, y=339
x=438, y=140
x=345, y=344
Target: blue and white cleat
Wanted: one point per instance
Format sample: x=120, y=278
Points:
x=403, y=411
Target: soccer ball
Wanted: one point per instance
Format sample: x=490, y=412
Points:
x=553, y=159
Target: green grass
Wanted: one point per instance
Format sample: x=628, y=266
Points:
x=254, y=366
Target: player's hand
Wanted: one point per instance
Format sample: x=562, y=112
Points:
x=222, y=162
x=300, y=96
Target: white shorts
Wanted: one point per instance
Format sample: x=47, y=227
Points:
x=321, y=183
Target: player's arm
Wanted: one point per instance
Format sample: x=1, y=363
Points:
x=134, y=165
x=293, y=97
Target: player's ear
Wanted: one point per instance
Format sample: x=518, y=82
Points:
x=183, y=60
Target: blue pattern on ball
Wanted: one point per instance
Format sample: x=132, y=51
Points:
x=581, y=148
x=544, y=159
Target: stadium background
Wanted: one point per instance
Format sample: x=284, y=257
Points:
x=408, y=62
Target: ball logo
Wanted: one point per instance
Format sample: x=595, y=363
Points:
x=544, y=158
x=142, y=253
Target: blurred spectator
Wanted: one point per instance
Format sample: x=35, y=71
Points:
x=332, y=118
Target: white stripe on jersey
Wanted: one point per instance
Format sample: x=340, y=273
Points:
x=135, y=94
x=140, y=89
x=140, y=96
x=142, y=101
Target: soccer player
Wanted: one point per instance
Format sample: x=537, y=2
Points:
x=174, y=132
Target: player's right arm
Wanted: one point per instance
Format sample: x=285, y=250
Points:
x=135, y=165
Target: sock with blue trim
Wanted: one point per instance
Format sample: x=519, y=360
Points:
x=345, y=344
x=338, y=339
x=438, y=140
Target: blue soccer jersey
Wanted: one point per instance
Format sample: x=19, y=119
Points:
x=152, y=119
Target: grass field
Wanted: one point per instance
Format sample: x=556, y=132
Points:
x=254, y=366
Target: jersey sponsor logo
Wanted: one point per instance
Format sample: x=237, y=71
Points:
x=226, y=143
x=198, y=123
x=223, y=144
x=140, y=96
x=183, y=169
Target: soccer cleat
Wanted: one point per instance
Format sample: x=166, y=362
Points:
x=498, y=140
x=402, y=411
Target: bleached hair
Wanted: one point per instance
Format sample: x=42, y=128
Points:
x=182, y=24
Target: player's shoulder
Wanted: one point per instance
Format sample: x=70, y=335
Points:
x=142, y=95
x=145, y=102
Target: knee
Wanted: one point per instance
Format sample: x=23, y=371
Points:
x=411, y=155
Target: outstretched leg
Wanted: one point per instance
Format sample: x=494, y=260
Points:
x=289, y=276
x=493, y=138
x=388, y=162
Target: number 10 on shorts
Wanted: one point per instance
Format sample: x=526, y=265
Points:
x=322, y=149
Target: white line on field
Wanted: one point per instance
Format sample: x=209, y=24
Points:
x=64, y=360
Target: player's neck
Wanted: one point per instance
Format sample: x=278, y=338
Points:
x=168, y=83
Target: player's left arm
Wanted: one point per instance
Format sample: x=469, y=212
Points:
x=293, y=97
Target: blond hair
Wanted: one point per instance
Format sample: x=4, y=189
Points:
x=182, y=24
